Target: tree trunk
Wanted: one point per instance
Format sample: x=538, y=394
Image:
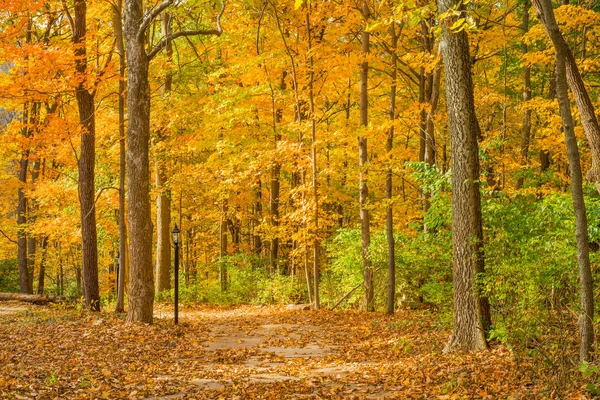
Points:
x=223, y=247
x=31, y=240
x=430, y=151
x=42, y=272
x=163, y=199
x=313, y=146
x=275, y=185
x=257, y=217
x=141, y=283
x=86, y=163
x=468, y=332
x=118, y=29
x=27, y=297
x=526, y=128
x=389, y=218
x=22, y=209
x=363, y=159
x=545, y=14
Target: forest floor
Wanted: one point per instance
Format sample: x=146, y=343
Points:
x=250, y=352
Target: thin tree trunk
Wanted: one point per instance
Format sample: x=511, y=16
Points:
x=526, y=128
x=468, y=331
x=256, y=240
x=118, y=29
x=22, y=209
x=313, y=145
x=86, y=163
x=163, y=199
x=389, y=218
x=363, y=158
x=223, y=247
x=32, y=240
x=275, y=184
x=42, y=272
x=430, y=151
x=545, y=14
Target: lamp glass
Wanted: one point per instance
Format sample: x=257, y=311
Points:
x=175, y=233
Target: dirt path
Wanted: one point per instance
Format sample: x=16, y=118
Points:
x=274, y=353
x=246, y=352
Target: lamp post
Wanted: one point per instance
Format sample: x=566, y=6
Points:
x=175, y=233
x=117, y=265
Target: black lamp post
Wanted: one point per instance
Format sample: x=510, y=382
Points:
x=117, y=266
x=175, y=233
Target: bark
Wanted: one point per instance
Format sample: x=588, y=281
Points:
x=163, y=199
x=31, y=240
x=86, y=163
x=118, y=29
x=430, y=151
x=27, y=297
x=389, y=218
x=526, y=127
x=313, y=145
x=223, y=247
x=257, y=211
x=42, y=272
x=468, y=331
x=586, y=111
x=141, y=284
x=545, y=14
x=22, y=210
x=363, y=158
x=275, y=184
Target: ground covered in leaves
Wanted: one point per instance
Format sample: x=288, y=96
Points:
x=249, y=352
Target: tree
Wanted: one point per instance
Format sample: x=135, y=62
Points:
x=87, y=158
x=137, y=22
x=467, y=241
x=545, y=14
x=163, y=198
x=123, y=256
x=363, y=158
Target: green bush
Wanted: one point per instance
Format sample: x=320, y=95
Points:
x=9, y=275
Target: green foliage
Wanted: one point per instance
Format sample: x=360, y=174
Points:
x=248, y=282
x=592, y=374
x=9, y=275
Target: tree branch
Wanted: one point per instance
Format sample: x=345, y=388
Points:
x=6, y=236
x=68, y=14
x=151, y=16
x=172, y=36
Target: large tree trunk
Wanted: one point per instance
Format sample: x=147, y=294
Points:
x=545, y=14
x=468, y=332
x=141, y=282
x=118, y=29
x=363, y=159
x=389, y=217
x=163, y=199
x=86, y=164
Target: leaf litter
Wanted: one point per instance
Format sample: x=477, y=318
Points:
x=249, y=352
